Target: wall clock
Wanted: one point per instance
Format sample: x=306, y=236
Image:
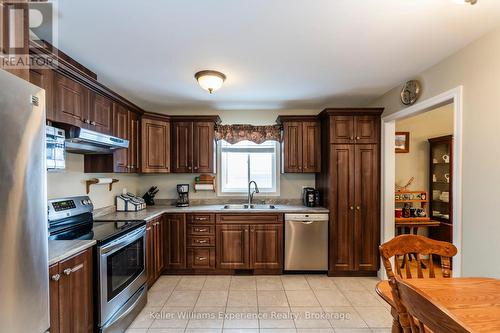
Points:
x=410, y=92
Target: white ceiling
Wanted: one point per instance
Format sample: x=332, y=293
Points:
x=293, y=54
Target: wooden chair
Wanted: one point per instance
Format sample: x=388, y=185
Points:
x=406, y=245
x=423, y=315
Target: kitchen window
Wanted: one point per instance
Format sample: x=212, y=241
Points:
x=246, y=161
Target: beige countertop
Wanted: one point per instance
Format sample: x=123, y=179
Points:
x=63, y=249
x=152, y=212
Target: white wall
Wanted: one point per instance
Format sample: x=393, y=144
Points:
x=72, y=180
x=422, y=127
x=477, y=68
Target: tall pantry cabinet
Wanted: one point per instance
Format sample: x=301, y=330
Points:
x=349, y=183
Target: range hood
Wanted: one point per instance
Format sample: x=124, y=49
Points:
x=83, y=141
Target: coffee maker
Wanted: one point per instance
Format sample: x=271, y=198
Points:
x=183, y=191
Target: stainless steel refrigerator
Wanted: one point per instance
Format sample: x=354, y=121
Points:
x=24, y=277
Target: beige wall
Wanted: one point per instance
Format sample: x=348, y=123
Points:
x=72, y=180
x=477, y=69
x=422, y=127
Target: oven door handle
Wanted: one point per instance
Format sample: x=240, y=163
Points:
x=123, y=241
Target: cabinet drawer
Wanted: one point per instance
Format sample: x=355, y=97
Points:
x=201, y=258
x=201, y=241
x=250, y=218
x=200, y=229
x=201, y=218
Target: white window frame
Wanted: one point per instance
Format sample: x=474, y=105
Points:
x=244, y=193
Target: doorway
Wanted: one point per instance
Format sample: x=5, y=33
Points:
x=452, y=99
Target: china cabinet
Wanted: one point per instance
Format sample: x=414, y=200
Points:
x=441, y=186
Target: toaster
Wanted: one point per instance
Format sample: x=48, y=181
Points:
x=129, y=203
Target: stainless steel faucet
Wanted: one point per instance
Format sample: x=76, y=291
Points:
x=250, y=194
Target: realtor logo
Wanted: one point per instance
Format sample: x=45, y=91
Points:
x=30, y=30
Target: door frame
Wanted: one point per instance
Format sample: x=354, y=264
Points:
x=387, y=230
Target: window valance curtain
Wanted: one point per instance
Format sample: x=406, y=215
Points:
x=257, y=134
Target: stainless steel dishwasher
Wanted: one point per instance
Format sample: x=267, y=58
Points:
x=306, y=242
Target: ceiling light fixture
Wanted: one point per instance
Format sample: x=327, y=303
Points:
x=463, y=2
x=210, y=80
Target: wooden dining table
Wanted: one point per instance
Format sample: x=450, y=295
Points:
x=474, y=302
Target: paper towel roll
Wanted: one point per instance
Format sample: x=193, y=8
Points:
x=103, y=180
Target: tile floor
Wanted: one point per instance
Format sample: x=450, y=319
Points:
x=266, y=304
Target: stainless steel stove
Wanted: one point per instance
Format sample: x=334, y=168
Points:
x=120, y=277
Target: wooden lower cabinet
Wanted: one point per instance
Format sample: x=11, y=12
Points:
x=233, y=246
x=176, y=241
x=266, y=246
x=155, y=249
x=201, y=258
x=71, y=294
x=251, y=245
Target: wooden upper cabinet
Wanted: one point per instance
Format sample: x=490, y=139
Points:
x=71, y=100
x=311, y=148
x=121, y=130
x=182, y=150
x=71, y=294
x=134, y=142
x=354, y=129
x=193, y=144
x=292, y=146
x=301, y=146
x=342, y=129
x=367, y=129
x=155, y=138
x=44, y=78
x=203, y=147
x=100, y=113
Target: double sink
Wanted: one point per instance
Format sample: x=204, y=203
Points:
x=247, y=206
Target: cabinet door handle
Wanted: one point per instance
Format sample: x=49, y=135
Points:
x=67, y=271
x=201, y=218
x=358, y=208
x=351, y=208
x=55, y=277
x=351, y=138
x=189, y=168
x=200, y=230
x=201, y=258
x=201, y=241
x=196, y=168
x=357, y=138
x=93, y=123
